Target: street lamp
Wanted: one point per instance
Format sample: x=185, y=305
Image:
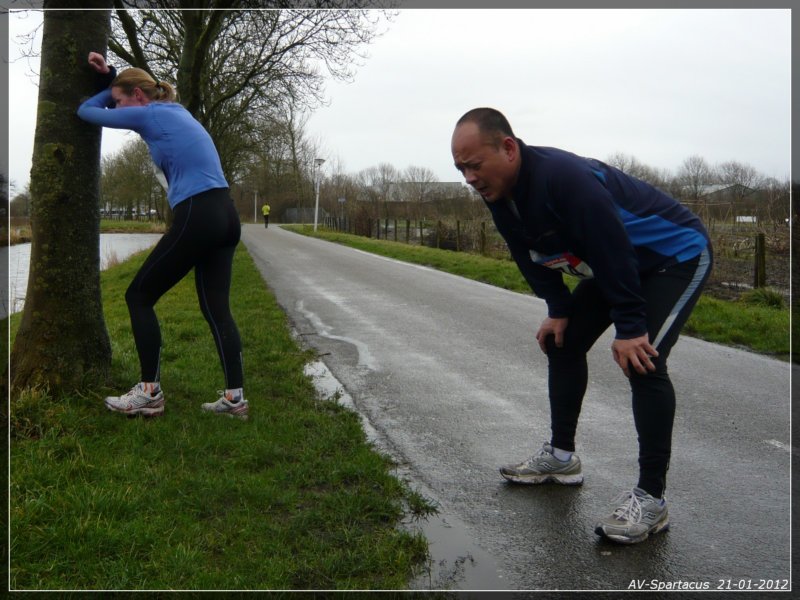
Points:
x=318, y=162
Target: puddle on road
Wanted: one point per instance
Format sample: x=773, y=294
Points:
x=455, y=562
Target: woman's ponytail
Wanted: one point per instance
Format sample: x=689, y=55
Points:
x=134, y=77
x=165, y=92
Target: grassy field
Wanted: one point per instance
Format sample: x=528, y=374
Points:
x=294, y=498
x=753, y=323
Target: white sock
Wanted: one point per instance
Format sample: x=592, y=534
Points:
x=234, y=395
x=151, y=387
x=562, y=455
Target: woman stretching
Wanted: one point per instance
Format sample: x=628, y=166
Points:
x=203, y=235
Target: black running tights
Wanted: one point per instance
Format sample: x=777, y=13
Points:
x=670, y=295
x=203, y=237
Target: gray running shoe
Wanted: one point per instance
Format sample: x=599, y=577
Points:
x=224, y=406
x=544, y=467
x=137, y=402
x=636, y=515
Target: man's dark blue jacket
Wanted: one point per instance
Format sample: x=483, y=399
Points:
x=577, y=215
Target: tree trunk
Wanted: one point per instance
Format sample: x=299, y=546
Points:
x=62, y=338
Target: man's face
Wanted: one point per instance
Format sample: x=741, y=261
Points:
x=492, y=170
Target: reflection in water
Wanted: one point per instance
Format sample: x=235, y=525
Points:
x=113, y=247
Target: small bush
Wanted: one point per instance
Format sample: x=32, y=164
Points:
x=766, y=296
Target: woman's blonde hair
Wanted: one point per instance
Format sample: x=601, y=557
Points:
x=159, y=91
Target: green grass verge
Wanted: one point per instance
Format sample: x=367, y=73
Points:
x=758, y=327
x=294, y=498
x=763, y=329
x=114, y=226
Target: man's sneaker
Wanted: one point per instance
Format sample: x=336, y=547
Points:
x=224, y=406
x=138, y=401
x=636, y=515
x=544, y=467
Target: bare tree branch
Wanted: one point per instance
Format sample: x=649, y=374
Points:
x=233, y=66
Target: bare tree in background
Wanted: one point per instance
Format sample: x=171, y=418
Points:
x=741, y=179
x=281, y=168
x=129, y=185
x=737, y=173
x=418, y=186
x=232, y=65
x=630, y=165
x=694, y=174
x=776, y=206
x=338, y=186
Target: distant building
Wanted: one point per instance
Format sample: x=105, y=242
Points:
x=724, y=192
x=737, y=203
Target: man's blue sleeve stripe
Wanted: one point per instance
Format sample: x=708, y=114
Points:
x=663, y=236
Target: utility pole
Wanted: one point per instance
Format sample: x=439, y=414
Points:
x=318, y=162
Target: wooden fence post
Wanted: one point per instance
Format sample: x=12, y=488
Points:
x=421, y=239
x=395, y=230
x=483, y=238
x=760, y=270
x=458, y=235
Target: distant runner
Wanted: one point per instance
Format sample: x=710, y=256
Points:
x=265, y=212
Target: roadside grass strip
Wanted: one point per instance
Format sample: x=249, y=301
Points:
x=295, y=498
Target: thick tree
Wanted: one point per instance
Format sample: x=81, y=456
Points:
x=62, y=338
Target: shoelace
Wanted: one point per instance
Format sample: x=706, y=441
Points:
x=139, y=390
x=535, y=458
x=630, y=510
x=136, y=390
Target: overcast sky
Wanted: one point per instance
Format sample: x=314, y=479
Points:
x=660, y=85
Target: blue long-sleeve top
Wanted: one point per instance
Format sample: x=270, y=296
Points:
x=178, y=143
x=577, y=215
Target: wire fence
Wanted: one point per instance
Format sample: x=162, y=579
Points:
x=746, y=255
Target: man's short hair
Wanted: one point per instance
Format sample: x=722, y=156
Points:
x=490, y=122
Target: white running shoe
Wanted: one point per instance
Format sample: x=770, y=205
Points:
x=224, y=406
x=543, y=468
x=636, y=516
x=137, y=401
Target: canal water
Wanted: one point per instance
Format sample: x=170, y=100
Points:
x=113, y=247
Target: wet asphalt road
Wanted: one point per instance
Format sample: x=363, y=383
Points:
x=448, y=372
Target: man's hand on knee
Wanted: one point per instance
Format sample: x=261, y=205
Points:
x=636, y=353
x=554, y=327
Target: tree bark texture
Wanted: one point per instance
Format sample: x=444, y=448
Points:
x=62, y=338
